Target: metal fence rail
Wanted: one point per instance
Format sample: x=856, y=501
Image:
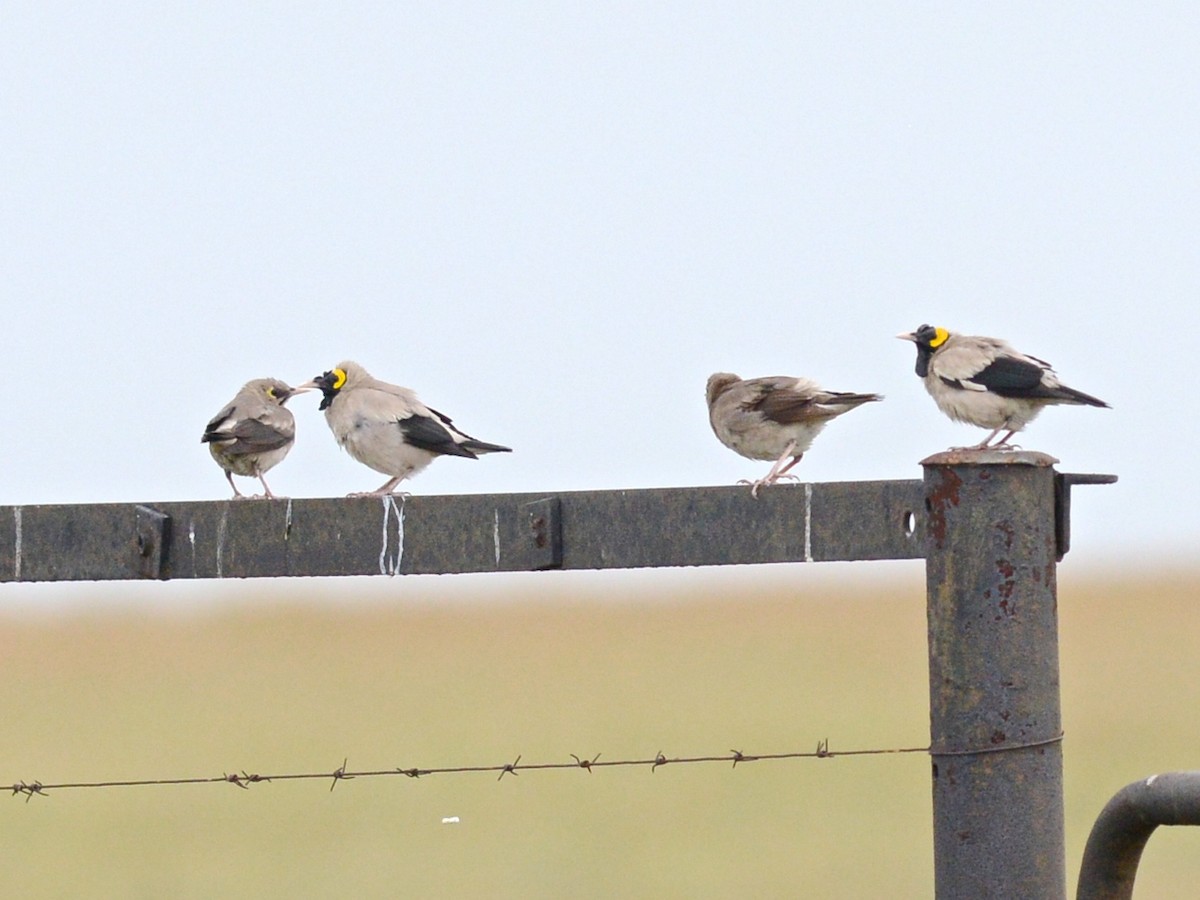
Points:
x=464, y=533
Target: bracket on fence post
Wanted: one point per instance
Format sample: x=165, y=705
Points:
x=1062, y=499
x=995, y=715
x=153, y=534
x=542, y=520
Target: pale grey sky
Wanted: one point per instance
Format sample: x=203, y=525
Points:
x=554, y=221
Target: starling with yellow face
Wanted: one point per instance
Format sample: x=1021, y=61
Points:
x=387, y=428
x=986, y=382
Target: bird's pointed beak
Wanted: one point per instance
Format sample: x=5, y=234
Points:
x=307, y=386
x=907, y=336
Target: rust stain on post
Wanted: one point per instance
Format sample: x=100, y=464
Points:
x=943, y=495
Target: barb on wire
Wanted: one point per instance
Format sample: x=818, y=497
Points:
x=739, y=756
x=339, y=774
x=511, y=767
x=585, y=763
x=244, y=779
x=28, y=790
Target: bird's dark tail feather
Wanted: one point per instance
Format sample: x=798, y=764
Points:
x=483, y=447
x=1073, y=396
x=855, y=399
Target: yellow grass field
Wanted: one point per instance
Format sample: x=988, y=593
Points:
x=423, y=672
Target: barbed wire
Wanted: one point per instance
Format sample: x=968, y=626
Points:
x=244, y=779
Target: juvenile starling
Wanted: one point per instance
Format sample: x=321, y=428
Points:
x=254, y=432
x=773, y=418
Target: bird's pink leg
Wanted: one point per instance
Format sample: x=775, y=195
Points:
x=266, y=490
x=237, y=495
x=778, y=471
x=388, y=487
x=782, y=473
x=982, y=445
x=1003, y=443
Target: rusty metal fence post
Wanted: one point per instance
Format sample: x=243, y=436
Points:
x=995, y=718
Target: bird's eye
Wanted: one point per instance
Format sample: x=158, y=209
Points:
x=339, y=378
x=271, y=392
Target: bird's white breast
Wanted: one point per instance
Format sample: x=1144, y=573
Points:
x=981, y=407
x=374, y=440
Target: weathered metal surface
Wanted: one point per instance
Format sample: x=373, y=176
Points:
x=464, y=533
x=995, y=718
x=1114, y=848
x=968, y=456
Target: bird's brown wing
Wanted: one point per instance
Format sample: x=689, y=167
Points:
x=786, y=401
x=253, y=436
x=788, y=407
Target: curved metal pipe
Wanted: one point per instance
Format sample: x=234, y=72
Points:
x=1114, y=847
